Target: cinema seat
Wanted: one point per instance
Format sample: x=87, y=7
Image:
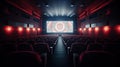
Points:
x=23, y=58
x=97, y=59
x=43, y=49
x=7, y=48
x=24, y=47
x=76, y=49
x=95, y=47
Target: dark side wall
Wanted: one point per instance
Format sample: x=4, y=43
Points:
x=12, y=16
x=107, y=16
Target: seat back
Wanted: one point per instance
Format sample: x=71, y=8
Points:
x=24, y=47
x=94, y=47
x=77, y=47
x=41, y=48
x=97, y=59
x=7, y=48
x=23, y=58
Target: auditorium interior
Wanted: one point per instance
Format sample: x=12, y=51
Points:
x=59, y=33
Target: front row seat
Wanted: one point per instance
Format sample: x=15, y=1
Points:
x=22, y=59
x=97, y=59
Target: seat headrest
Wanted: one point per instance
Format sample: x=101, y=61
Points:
x=24, y=47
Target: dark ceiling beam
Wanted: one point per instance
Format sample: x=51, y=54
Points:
x=93, y=7
x=26, y=6
x=100, y=6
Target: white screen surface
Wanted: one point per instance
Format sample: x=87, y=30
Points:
x=59, y=26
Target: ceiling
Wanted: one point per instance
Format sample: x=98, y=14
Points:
x=64, y=8
x=69, y=8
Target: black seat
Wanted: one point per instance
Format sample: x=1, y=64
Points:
x=41, y=48
x=7, y=48
x=23, y=58
x=95, y=47
x=24, y=47
x=77, y=47
x=97, y=59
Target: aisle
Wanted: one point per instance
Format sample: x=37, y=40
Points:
x=60, y=58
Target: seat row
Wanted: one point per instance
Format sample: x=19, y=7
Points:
x=25, y=52
x=93, y=52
